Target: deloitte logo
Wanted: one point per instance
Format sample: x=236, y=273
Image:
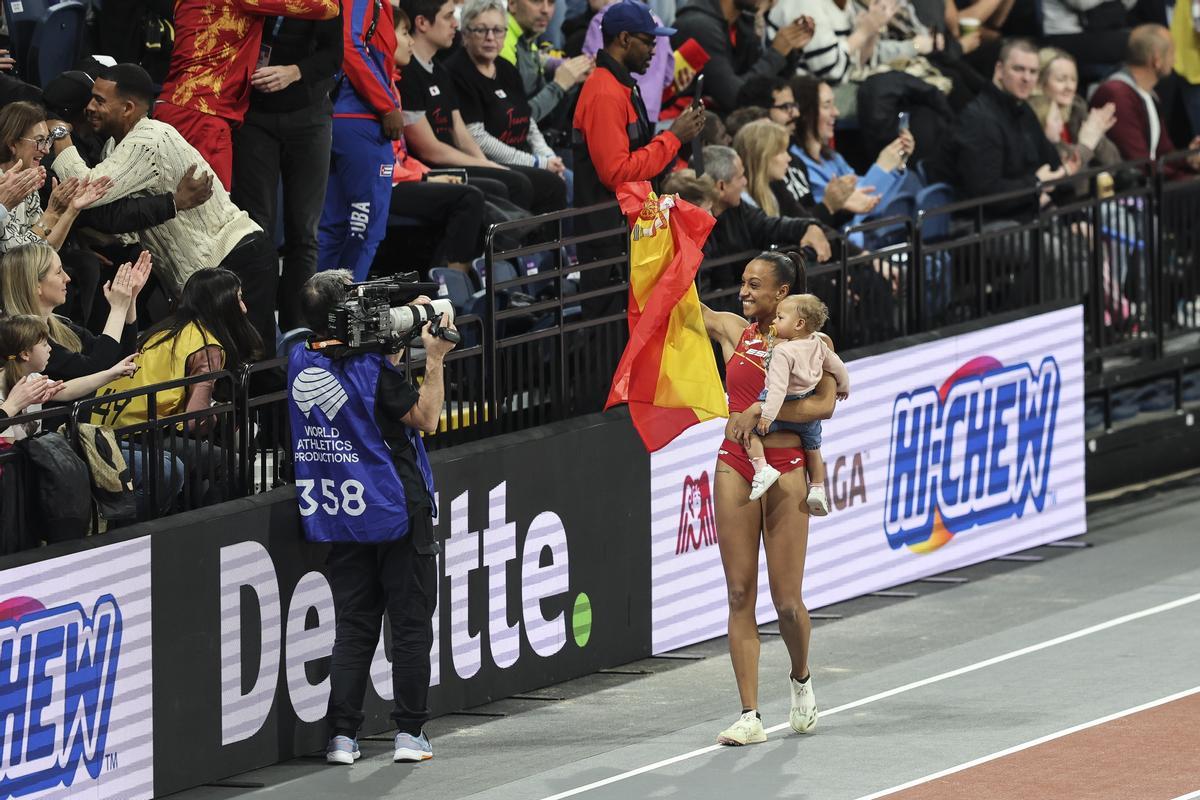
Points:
x=318, y=387
x=542, y=610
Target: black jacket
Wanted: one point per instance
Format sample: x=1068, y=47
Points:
x=97, y=353
x=747, y=227
x=129, y=214
x=998, y=146
x=729, y=65
x=314, y=46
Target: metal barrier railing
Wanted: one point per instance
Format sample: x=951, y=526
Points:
x=1099, y=247
x=178, y=462
x=550, y=336
x=548, y=361
x=1178, y=254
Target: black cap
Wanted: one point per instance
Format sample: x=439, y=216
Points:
x=132, y=79
x=67, y=95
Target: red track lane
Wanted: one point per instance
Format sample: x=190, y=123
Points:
x=1151, y=755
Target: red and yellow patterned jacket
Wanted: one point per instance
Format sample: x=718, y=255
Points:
x=216, y=49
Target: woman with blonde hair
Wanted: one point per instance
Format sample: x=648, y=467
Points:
x=1080, y=127
x=763, y=148
x=32, y=281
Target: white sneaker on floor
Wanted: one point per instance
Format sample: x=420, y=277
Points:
x=342, y=750
x=763, y=479
x=803, y=715
x=747, y=730
x=412, y=748
x=818, y=503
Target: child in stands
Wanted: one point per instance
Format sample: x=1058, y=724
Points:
x=25, y=348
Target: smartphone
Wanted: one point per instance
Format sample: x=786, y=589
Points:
x=902, y=121
x=698, y=94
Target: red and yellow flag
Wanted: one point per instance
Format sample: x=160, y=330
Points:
x=667, y=375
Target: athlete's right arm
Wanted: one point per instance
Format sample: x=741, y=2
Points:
x=724, y=328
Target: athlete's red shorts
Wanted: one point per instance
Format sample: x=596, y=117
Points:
x=784, y=459
x=210, y=135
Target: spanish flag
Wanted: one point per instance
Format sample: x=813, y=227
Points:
x=667, y=375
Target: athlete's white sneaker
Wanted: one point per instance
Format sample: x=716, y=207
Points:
x=803, y=715
x=763, y=479
x=747, y=730
x=818, y=503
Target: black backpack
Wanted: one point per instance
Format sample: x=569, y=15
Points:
x=61, y=507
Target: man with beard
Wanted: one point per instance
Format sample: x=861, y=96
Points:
x=145, y=157
x=614, y=140
x=727, y=31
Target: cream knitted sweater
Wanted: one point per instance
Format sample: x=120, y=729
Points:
x=150, y=160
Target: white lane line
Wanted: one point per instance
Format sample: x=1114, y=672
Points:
x=908, y=687
x=1034, y=743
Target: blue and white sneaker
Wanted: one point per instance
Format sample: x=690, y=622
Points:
x=412, y=748
x=342, y=750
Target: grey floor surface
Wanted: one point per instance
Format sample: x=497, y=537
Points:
x=1145, y=553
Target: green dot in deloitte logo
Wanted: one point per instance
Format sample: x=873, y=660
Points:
x=581, y=619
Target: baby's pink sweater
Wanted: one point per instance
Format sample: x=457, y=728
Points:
x=796, y=367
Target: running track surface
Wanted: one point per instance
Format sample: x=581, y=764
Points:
x=1074, y=678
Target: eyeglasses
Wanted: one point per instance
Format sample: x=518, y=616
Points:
x=644, y=38
x=496, y=32
x=786, y=107
x=41, y=142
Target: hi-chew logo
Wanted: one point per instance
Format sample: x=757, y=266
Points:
x=972, y=452
x=58, y=669
x=697, y=521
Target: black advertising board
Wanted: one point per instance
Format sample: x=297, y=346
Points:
x=545, y=576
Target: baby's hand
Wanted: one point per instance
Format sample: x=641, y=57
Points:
x=842, y=395
x=763, y=426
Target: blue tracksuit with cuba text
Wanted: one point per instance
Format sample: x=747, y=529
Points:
x=359, y=192
x=347, y=485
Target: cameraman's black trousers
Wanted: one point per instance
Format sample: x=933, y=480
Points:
x=366, y=580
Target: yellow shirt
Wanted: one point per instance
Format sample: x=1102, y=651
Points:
x=1187, y=42
x=160, y=361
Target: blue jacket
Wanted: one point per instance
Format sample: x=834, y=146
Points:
x=364, y=88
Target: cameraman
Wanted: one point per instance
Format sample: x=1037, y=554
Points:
x=364, y=484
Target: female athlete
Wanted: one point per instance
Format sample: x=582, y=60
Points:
x=780, y=517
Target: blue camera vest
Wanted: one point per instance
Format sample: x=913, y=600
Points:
x=347, y=488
